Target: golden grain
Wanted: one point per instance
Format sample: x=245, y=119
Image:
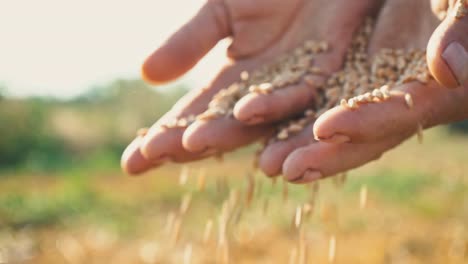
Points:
x=409, y=100
x=293, y=256
x=249, y=194
x=175, y=232
x=208, y=231
x=462, y=10
x=352, y=104
x=188, y=254
x=201, y=179
x=307, y=209
x=185, y=203
x=298, y=217
x=142, y=132
x=363, y=197
x=171, y=217
x=303, y=246
x=184, y=175
x=332, y=249
x=244, y=76
x=419, y=133
x=283, y=134
x=344, y=103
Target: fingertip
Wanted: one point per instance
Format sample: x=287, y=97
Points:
x=440, y=62
x=188, y=45
x=192, y=139
x=271, y=160
x=327, y=124
x=156, y=145
x=250, y=110
x=132, y=161
x=291, y=168
x=157, y=69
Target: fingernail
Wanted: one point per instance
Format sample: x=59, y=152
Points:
x=335, y=139
x=456, y=58
x=308, y=176
x=255, y=120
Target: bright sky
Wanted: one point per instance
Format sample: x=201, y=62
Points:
x=62, y=47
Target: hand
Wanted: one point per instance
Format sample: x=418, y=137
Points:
x=260, y=31
x=447, y=50
x=365, y=134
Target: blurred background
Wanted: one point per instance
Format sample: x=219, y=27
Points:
x=70, y=101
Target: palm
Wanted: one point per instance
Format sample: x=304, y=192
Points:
x=260, y=32
x=374, y=128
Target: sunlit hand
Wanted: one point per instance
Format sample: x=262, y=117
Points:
x=260, y=31
x=366, y=133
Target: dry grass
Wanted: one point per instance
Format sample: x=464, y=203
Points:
x=410, y=207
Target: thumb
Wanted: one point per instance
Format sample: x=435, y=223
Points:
x=189, y=44
x=447, y=51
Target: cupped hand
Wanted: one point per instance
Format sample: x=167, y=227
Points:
x=260, y=31
x=351, y=138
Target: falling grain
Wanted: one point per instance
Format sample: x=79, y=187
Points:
x=175, y=232
x=249, y=194
x=419, y=133
x=171, y=217
x=208, y=231
x=332, y=249
x=298, y=217
x=363, y=197
x=185, y=203
x=293, y=256
x=188, y=254
x=201, y=180
x=184, y=175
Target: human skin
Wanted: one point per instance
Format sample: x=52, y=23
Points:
x=270, y=27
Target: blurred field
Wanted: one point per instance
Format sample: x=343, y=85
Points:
x=67, y=202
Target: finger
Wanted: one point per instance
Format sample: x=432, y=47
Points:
x=414, y=21
x=221, y=135
x=320, y=160
x=133, y=162
x=161, y=143
x=447, y=53
x=256, y=108
x=425, y=104
x=166, y=145
x=390, y=117
x=273, y=156
x=284, y=102
x=439, y=8
x=189, y=44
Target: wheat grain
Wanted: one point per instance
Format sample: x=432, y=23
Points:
x=462, y=10
x=201, y=179
x=409, y=100
x=363, y=197
x=185, y=204
x=184, y=175
x=293, y=256
x=298, y=217
x=419, y=133
x=208, y=230
x=332, y=249
x=142, y=132
x=188, y=254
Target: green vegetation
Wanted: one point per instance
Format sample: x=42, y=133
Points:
x=46, y=134
x=417, y=194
